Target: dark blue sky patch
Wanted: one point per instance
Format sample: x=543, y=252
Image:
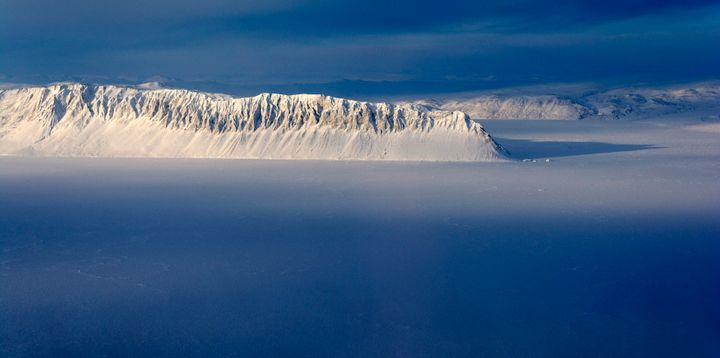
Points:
x=402, y=47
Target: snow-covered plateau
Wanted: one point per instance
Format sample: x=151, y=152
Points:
x=113, y=121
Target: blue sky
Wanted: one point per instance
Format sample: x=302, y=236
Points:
x=359, y=48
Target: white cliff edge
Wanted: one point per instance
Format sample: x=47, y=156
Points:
x=113, y=121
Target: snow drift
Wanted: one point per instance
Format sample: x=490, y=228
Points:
x=113, y=121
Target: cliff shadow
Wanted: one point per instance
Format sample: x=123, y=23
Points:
x=532, y=149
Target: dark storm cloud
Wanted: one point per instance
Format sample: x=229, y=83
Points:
x=310, y=16
x=374, y=46
x=379, y=16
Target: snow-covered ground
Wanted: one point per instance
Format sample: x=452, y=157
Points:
x=610, y=248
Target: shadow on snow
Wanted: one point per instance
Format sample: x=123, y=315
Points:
x=530, y=149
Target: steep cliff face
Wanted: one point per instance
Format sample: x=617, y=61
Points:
x=81, y=120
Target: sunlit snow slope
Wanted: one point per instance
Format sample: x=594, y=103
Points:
x=111, y=121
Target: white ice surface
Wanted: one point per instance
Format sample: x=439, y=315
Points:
x=609, y=249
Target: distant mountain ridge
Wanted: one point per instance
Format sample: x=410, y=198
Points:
x=73, y=119
x=700, y=100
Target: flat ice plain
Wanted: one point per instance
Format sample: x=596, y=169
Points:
x=612, y=248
